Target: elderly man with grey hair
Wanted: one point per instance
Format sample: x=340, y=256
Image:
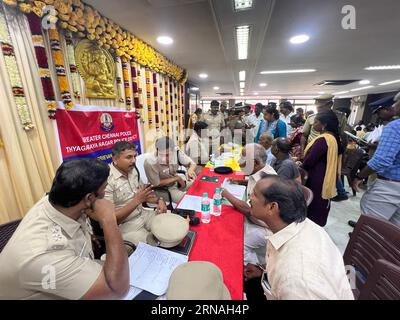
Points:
x=253, y=164
x=266, y=140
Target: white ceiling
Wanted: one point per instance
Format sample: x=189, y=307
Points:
x=204, y=41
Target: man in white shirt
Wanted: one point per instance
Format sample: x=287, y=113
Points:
x=253, y=163
x=287, y=111
x=302, y=261
x=254, y=120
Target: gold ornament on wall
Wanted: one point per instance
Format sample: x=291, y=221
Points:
x=97, y=68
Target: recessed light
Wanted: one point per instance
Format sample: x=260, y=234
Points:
x=256, y=93
x=242, y=38
x=263, y=84
x=242, y=76
x=394, y=67
x=194, y=89
x=363, y=88
x=299, y=39
x=216, y=88
x=242, y=85
x=321, y=92
x=390, y=82
x=288, y=71
x=165, y=40
x=341, y=92
x=363, y=82
x=240, y=5
x=203, y=75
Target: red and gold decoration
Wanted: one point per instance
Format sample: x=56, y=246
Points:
x=14, y=75
x=76, y=84
x=43, y=64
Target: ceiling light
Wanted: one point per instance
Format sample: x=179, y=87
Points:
x=390, y=82
x=240, y=5
x=242, y=94
x=194, y=89
x=242, y=85
x=216, y=88
x=165, y=40
x=242, y=38
x=299, y=39
x=321, y=92
x=394, y=67
x=364, y=82
x=363, y=88
x=287, y=71
x=256, y=93
x=203, y=75
x=341, y=92
x=242, y=76
x=263, y=84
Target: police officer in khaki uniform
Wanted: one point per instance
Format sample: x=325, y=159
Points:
x=161, y=169
x=215, y=121
x=50, y=254
x=128, y=194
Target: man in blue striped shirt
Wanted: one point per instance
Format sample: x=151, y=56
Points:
x=383, y=198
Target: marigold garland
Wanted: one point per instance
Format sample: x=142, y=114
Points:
x=58, y=59
x=155, y=94
x=127, y=84
x=120, y=85
x=76, y=83
x=43, y=64
x=167, y=108
x=14, y=75
x=135, y=85
x=148, y=97
x=82, y=19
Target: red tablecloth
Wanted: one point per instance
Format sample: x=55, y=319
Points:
x=221, y=240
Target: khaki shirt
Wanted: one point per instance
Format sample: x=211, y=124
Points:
x=215, y=123
x=312, y=134
x=120, y=190
x=304, y=264
x=49, y=256
x=155, y=172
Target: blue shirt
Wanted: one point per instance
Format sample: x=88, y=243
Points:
x=276, y=128
x=386, y=160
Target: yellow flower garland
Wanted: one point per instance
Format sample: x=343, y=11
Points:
x=80, y=18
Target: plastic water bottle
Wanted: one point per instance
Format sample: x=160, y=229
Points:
x=205, y=209
x=217, y=203
x=212, y=163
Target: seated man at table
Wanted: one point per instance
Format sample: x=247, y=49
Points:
x=284, y=166
x=161, y=169
x=128, y=194
x=253, y=163
x=302, y=261
x=197, y=146
x=50, y=255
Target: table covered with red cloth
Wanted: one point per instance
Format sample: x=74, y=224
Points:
x=221, y=240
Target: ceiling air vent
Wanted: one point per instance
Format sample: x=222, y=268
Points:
x=335, y=82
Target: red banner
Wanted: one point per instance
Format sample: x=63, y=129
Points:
x=90, y=132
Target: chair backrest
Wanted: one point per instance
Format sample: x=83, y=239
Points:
x=6, y=232
x=371, y=240
x=352, y=161
x=140, y=166
x=383, y=283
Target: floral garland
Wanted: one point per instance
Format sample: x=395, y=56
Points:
x=85, y=21
x=127, y=84
x=168, y=112
x=135, y=85
x=42, y=61
x=58, y=59
x=148, y=96
x=120, y=85
x=14, y=75
x=76, y=82
x=155, y=93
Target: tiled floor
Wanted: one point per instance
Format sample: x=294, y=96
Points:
x=340, y=213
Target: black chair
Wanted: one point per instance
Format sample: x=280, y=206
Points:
x=6, y=232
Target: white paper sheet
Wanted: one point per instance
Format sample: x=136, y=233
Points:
x=132, y=293
x=151, y=267
x=236, y=190
x=191, y=203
